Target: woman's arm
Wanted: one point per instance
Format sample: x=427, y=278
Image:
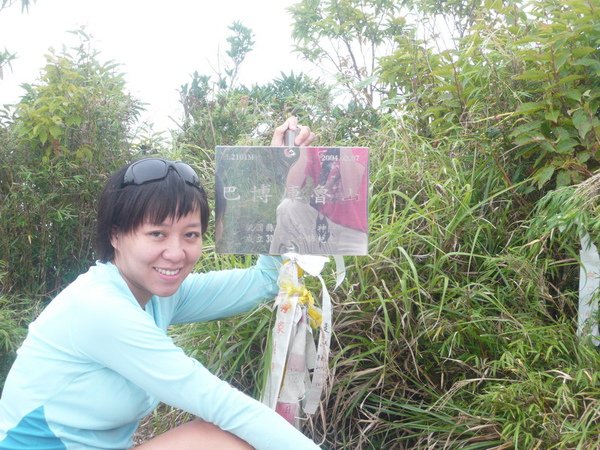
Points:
x=123, y=338
x=225, y=293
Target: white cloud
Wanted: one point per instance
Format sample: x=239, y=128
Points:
x=158, y=43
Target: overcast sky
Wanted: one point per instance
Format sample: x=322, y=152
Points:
x=158, y=43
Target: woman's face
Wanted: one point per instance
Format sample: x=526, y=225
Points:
x=154, y=259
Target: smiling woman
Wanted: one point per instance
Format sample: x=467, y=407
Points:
x=153, y=231
x=98, y=359
x=156, y=258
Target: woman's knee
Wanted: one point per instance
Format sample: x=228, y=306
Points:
x=195, y=435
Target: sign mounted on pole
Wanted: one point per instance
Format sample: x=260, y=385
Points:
x=306, y=200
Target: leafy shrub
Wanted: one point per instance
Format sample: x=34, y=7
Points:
x=15, y=315
x=67, y=133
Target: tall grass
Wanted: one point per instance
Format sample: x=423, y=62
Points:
x=15, y=314
x=455, y=332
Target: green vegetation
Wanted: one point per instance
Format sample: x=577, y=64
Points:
x=458, y=331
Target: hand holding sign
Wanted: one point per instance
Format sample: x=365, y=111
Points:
x=305, y=203
x=280, y=199
x=303, y=136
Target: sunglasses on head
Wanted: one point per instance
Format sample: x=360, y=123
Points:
x=155, y=169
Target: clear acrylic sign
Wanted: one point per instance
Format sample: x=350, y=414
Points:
x=305, y=200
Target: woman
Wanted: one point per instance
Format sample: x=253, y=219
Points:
x=98, y=358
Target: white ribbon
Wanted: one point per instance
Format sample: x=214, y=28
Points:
x=293, y=353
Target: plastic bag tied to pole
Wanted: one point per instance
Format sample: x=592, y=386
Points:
x=290, y=387
x=589, y=288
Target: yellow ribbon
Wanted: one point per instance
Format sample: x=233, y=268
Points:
x=315, y=317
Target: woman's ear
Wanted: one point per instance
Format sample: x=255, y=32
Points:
x=114, y=237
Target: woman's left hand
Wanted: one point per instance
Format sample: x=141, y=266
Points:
x=303, y=138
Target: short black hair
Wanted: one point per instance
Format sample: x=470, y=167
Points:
x=125, y=208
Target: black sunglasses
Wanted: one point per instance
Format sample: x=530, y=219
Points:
x=155, y=169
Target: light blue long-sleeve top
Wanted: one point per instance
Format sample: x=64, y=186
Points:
x=94, y=363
